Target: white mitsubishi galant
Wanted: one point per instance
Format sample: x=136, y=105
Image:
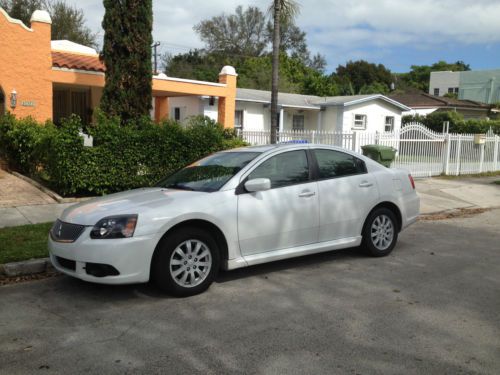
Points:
x=235, y=209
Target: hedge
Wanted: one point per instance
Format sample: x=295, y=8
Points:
x=458, y=124
x=122, y=157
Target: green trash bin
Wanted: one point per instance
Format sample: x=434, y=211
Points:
x=382, y=154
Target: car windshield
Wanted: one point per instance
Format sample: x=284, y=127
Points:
x=208, y=174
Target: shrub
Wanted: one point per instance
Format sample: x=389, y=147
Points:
x=123, y=157
x=22, y=142
x=458, y=124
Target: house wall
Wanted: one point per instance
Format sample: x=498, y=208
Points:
x=189, y=106
x=376, y=111
x=443, y=81
x=210, y=111
x=310, y=118
x=330, y=119
x=480, y=86
x=255, y=116
x=26, y=61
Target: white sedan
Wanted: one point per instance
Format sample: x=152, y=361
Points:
x=235, y=209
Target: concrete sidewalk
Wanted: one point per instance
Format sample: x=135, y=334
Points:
x=447, y=194
x=436, y=194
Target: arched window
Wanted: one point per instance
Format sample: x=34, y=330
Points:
x=2, y=102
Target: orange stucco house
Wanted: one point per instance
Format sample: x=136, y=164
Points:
x=48, y=79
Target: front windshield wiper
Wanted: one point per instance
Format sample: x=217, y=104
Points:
x=180, y=187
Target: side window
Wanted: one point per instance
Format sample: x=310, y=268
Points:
x=337, y=164
x=284, y=169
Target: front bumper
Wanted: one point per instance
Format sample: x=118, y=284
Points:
x=131, y=257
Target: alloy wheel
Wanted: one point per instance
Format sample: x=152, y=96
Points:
x=190, y=263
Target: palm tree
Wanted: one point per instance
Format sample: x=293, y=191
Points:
x=281, y=10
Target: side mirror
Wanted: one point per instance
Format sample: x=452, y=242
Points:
x=258, y=184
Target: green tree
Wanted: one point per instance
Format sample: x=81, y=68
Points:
x=196, y=64
x=243, y=32
x=68, y=22
x=281, y=10
x=127, y=28
x=419, y=75
x=363, y=77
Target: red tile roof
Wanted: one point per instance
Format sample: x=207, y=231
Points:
x=76, y=61
x=416, y=100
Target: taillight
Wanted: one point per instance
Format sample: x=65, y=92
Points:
x=412, y=182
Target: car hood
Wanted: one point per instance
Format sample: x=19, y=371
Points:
x=128, y=202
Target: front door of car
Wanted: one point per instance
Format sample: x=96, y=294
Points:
x=285, y=216
x=346, y=194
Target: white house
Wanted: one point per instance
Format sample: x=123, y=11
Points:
x=300, y=112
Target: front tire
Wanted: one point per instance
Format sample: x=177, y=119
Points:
x=380, y=232
x=186, y=262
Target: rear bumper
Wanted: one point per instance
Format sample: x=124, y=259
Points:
x=411, y=210
x=131, y=257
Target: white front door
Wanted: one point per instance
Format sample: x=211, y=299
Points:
x=285, y=216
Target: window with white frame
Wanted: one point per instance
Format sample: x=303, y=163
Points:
x=298, y=122
x=359, y=122
x=456, y=90
x=238, y=119
x=436, y=92
x=389, y=124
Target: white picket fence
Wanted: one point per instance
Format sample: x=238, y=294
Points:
x=422, y=151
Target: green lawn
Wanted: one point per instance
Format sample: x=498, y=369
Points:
x=497, y=182
x=24, y=242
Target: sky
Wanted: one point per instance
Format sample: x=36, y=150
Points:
x=396, y=33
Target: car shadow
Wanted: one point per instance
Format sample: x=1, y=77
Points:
x=291, y=263
x=69, y=286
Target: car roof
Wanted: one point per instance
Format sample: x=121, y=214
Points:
x=281, y=146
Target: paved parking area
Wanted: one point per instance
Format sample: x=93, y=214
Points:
x=432, y=307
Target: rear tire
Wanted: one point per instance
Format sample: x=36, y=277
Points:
x=380, y=233
x=186, y=262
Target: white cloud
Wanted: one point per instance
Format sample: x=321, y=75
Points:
x=339, y=26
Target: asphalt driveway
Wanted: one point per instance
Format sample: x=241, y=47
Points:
x=433, y=306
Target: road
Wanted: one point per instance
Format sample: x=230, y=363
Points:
x=432, y=307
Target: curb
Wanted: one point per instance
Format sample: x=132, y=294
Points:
x=39, y=186
x=49, y=192
x=26, y=267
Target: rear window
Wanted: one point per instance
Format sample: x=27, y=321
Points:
x=333, y=163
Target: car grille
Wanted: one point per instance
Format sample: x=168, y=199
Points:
x=66, y=232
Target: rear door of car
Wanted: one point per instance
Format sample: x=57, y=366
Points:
x=285, y=216
x=346, y=193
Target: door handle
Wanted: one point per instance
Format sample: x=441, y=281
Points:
x=306, y=194
x=365, y=184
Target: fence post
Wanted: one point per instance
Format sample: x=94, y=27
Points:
x=313, y=137
x=446, y=165
x=481, y=161
x=495, y=154
x=459, y=146
x=354, y=141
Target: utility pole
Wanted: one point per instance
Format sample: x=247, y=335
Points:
x=155, y=54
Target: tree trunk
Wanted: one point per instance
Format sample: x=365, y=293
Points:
x=275, y=72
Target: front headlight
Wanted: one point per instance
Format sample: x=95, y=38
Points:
x=122, y=226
